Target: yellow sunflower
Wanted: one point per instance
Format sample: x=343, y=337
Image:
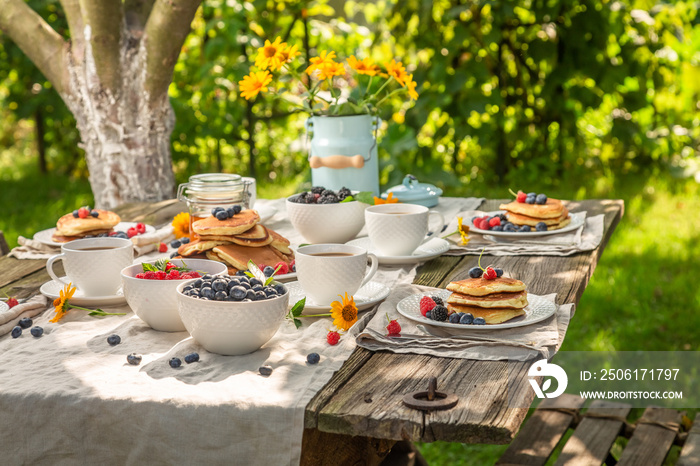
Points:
x=411, y=86
x=364, y=66
x=271, y=55
x=328, y=70
x=398, y=71
x=463, y=231
x=325, y=58
x=255, y=82
x=181, y=225
x=290, y=53
x=344, y=313
x=61, y=303
x=390, y=199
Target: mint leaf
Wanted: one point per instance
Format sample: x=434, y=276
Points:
x=298, y=308
x=272, y=277
x=149, y=267
x=366, y=197
x=161, y=263
x=347, y=199
x=255, y=270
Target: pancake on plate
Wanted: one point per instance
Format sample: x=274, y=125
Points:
x=199, y=246
x=520, y=219
x=280, y=243
x=552, y=209
x=491, y=316
x=58, y=238
x=238, y=256
x=517, y=300
x=483, y=287
x=239, y=223
x=68, y=225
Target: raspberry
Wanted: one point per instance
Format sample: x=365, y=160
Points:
x=394, y=328
x=169, y=266
x=132, y=232
x=186, y=276
x=140, y=275
x=521, y=197
x=160, y=275
x=293, y=266
x=333, y=338
x=163, y=247
x=173, y=275
x=261, y=266
x=83, y=212
x=12, y=302
x=194, y=274
x=140, y=228
x=495, y=221
x=113, y=233
x=150, y=275
x=284, y=268
x=483, y=224
x=426, y=304
x=490, y=274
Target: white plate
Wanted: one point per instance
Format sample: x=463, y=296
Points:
x=433, y=248
x=51, y=290
x=577, y=220
x=537, y=310
x=44, y=236
x=3, y=306
x=366, y=297
x=265, y=212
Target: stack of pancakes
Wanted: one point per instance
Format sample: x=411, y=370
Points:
x=553, y=214
x=69, y=227
x=497, y=300
x=237, y=240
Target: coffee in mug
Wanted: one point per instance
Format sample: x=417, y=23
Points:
x=398, y=229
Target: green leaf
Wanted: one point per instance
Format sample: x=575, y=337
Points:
x=297, y=323
x=285, y=78
x=161, y=263
x=149, y=267
x=298, y=308
x=347, y=199
x=365, y=196
x=255, y=270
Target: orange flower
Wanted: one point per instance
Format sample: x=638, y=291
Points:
x=61, y=303
x=271, y=55
x=255, y=82
x=398, y=72
x=364, y=66
x=181, y=225
x=325, y=58
x=390, y=199
x=328, y=70
x=344, y=313
x=411, y=86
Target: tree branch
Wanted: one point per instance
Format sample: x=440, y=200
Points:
x=44, y=46
x=166, y=30
x=75, y=21
x=104, y=18
x=137, y=12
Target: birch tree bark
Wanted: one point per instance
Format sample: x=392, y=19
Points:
x=113, y=74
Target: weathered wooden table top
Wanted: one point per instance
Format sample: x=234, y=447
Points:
x=362, y=402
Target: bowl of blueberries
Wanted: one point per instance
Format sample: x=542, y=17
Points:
x=325, y=216
x=231, y=315
x=152, y=295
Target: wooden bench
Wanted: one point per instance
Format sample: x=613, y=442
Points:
x=595, y=431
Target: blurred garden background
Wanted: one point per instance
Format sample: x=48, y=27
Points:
x=573, y=98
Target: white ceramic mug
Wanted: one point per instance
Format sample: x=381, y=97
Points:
x=326, y=271
x=398, y=229
x=94, y=265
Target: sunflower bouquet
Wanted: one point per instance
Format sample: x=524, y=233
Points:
x=325, y=86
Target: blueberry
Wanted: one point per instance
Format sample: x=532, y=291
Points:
x=268, y=271
x=497, y=228
x=216, y=210
x=525, y=229
x=25, y=322
x=16, y=331
x=280, y=289
x=466, y=318
x=250, y=294
x=174, y=255
x=313, y=358
x=260, y=295
x=185, y=240
x=207, y=293
x=510, y=228
x=121, y=234
x=230, y=212
x=530, y=199
x=257, y=288
x=254, y=281
x=175, y=363
x=75, y=214
x=241, y=273
x=541, y=199
x=223, y=215
x=245, y=285
x=479, y=321
x=270, y=291
x=134, y=359
x=175, y=243
x=218, y=285
x=197, y=283
x=238, y=293
x=114, y=339
x=541, y=226
x=237, y=209
x=294, y=267
x=94, y=213
x=103, y=235
x=265, y=370
x=37, y=331
x=454, y=318
x=207, y=276
x=531, y=194
x=499, y=272
x=192, y=357
x=475, y=272
x=221, y=296
x=429, y=315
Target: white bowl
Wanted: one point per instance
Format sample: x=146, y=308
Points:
x=155, y=301
x=231, y=328
x=327, y=223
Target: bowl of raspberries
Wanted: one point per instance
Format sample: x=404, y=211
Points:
x=150, y=288
x=326, y=216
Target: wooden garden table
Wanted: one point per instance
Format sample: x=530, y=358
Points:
x=359, y=413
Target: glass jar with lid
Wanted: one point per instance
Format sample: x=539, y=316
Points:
x=205, y=191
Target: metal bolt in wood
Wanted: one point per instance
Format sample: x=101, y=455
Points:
x=431, y=400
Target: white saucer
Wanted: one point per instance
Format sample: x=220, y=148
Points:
x=265, y=212
x=431, y=249
x=52, y=288
x=537, y=310
x=577, y=220
x=365, y=298
x=44, y=236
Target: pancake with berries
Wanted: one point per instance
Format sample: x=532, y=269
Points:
x=228, y=226
x=552, y=208
x=199, y=246
x=491, y=316
x=84, y=222
x=238, y=256
x=483, y=287
x=515, y=300
x=520, y=219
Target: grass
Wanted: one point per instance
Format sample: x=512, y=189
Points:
x=643, y=295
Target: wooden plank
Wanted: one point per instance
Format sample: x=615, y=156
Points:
x=540, y=435
x=591, y=442
x=14, y=269
x=690, y=454
x=650, y=444
x=321, y=448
